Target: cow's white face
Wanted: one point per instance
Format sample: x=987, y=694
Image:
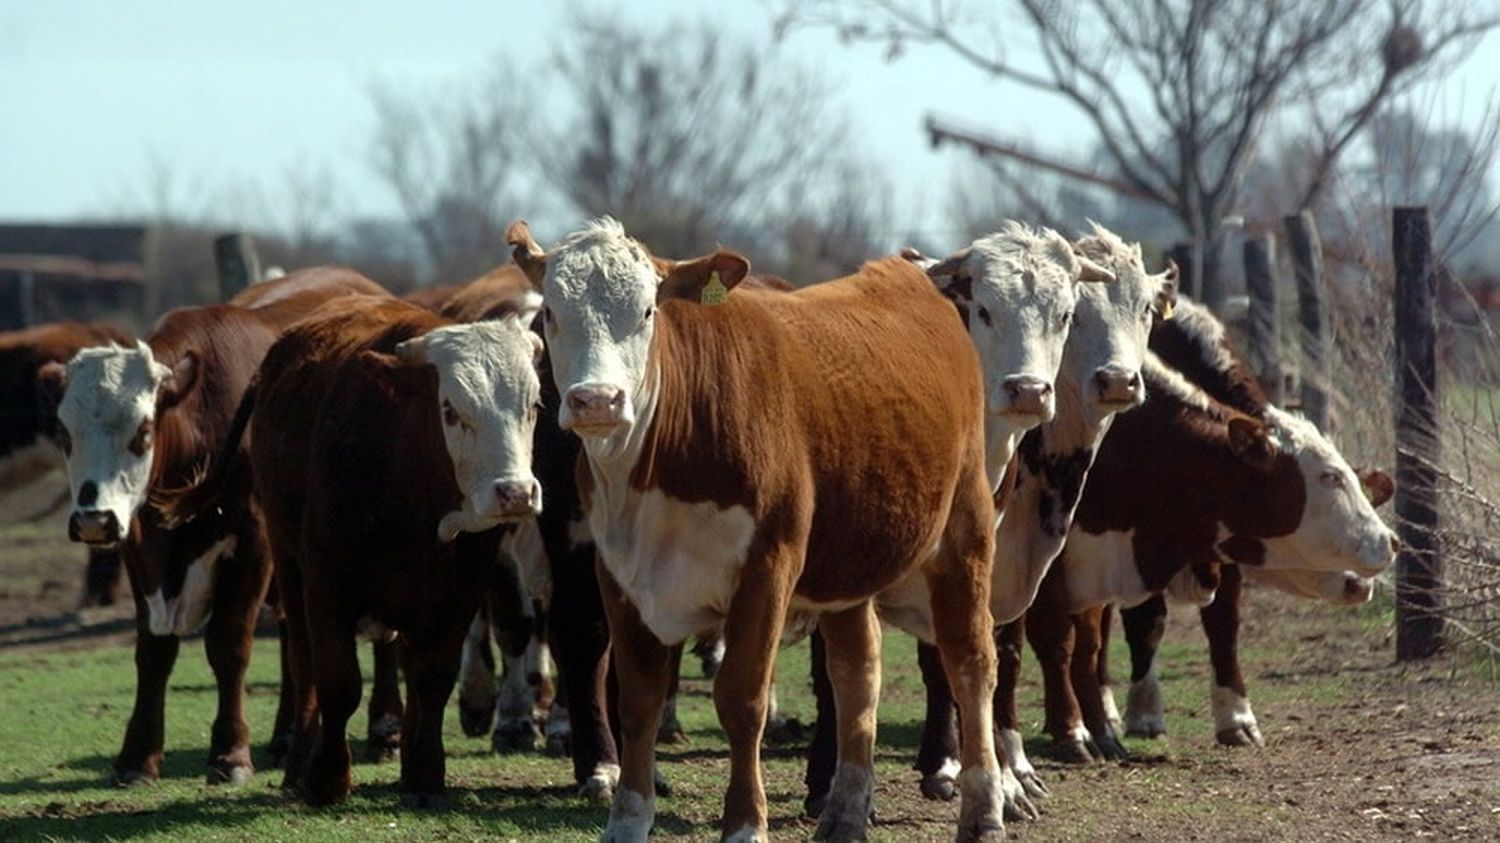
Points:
x=107, y=418
x=1342, y=588
x=488, y=399
x=1340, y=529
x=1017, y=289
x=1112, y=323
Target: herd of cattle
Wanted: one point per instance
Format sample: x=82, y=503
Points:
x=658, y=449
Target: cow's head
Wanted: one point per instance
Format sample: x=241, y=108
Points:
x=488, y=396
x=1338, y=528
x=1341, y=588
x=1112, y=323
x=109, y=402
x=1015, y=289
x=600, y=294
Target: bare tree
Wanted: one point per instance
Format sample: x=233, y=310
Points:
x=1215, y=74
x=450, y=158
x=690, y=138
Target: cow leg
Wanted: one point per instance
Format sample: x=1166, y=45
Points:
x=641, y=662
x=958, y=579
x=240, y=591
x=1008, y=640
x=1103, y=677
x=281, y=729
x=476, y=679
x=431, y=672
x=710, y=652
x=514, y=626
x=937, y=754
x=1085, y=676
x=306, y=725
x=140, y=756
x=1050, y=630
x=822, y=752
x=383, y=735
x=335, y=664
x=671, y=731
x=1144, y=627
x=582, y=649
x=853, y=658
x=1234, y=721
x=752, y=634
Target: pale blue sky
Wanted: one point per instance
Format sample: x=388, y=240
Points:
x=235, y=93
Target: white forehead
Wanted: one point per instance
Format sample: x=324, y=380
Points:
x=1301, y=437
x=1132, y=285
x=111, y=384
x=602, y=264
x=483, y=358
x=1032, y=261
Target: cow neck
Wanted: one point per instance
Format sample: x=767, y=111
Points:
x=1000, y=443
x=1197, y=346
x=1054, y=460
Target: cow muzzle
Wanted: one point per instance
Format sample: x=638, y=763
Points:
x=1028, y=396
x=593, y=409
x=517, y=498
x=1118, y=388
x=94, y=526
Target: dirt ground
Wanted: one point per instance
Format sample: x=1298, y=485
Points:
x=1357, y=747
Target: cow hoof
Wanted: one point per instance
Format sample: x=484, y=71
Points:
x=559, y=745
x=939, y=787
x=789, y=730
x=230, y=774
x=514, y=736
x=1074, y=751
x=1109, y=747
x=599, y=789
x=129, y=778
x=1033, y=784
x=424, y=801
x=672, y=734
x=333, y=789
x=660, y=784
x=1018, y=806
x=840, y=832
x=1244, y=735
x=812, y=806
x=277, y=749
x=1145, y=727
x=475, y=722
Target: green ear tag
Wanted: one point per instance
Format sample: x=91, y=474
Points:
x=714, y=292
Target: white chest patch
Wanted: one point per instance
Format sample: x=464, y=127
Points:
x=1100, y=568
x=29, y=462
x=187, y=612
x=679, y=563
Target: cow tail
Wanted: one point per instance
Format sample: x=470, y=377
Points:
x=181, y=505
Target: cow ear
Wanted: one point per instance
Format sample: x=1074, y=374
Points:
x=1251, y=443
x=705, y=280
x=51, y=383
x=526, y=253
x=176, y=385
x=537, y=347
x=948, y=275
x=384, y=370
x=1166, y=295
x=1378, y=486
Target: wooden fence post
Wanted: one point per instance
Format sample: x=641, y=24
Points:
x=1182, y=253
x=1307, y=257
x=1263, y=328
x=1419, y=568
x=237, y=263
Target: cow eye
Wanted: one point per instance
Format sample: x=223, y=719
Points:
x=1063, y=319
x=141, y=442
x=984, y=315
x=547, y=317
x=450, y=415
x=1332, y=479
x=650, y=312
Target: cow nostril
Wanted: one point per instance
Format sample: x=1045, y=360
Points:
x=1135, y=380
x=577, y=402
x=88, y=493
x=1395, y=544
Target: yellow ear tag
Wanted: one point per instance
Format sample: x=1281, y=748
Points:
x=714, y=292
x=1167, y=309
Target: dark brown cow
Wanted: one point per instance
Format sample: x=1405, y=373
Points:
x=752, y=454
x=28, y=424
x=140, y=419
x=389, y=446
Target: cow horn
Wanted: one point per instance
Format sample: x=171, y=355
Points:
x=412, y=352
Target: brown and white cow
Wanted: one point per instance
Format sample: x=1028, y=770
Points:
x=28, y=425
x=1099, y=377
x=756, y=453
x=390, y=451
x=138, y=419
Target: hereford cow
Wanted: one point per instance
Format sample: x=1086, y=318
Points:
x=752, y=453
x=1268, y=493
x=1099, y=376
x=389, y=447
x=28, y=443
x=134, y=420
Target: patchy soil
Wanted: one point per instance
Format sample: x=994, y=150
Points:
x=1357, y=747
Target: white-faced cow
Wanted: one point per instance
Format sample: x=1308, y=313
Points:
x=28, y=425
x=137, y=419
x=754, y=453
x=1099, y=377
x=389, y=447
